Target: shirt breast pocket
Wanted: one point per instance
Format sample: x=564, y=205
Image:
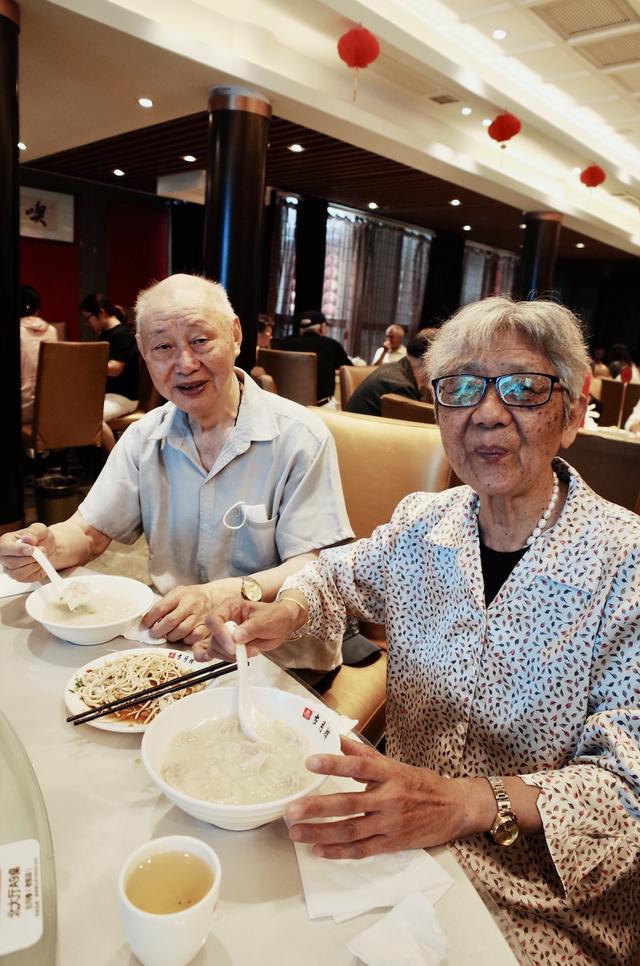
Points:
x=254, y=543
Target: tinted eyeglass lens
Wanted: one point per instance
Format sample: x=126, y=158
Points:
x=524, y=389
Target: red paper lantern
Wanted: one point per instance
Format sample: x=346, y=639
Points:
x=504, y=127
x=592, y=176
x=358, y=47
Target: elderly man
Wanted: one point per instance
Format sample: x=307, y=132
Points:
x=392, y=349
x=224, y=480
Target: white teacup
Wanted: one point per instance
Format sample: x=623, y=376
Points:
x=174, y=938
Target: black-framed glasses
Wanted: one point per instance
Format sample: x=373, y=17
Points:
x=463, y=390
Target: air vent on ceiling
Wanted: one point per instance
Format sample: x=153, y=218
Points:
x=613, y=52
x=444, y=99
x=570, y=18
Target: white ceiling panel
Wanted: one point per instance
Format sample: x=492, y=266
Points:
x=629, y=80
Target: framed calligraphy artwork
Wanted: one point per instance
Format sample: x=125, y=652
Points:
x=46, y=214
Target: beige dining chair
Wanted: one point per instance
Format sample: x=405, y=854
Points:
x=381, y=461
x=349, y=378
x=148, y=399
x=69, y=397
x=396, y=406
x=295, y=373
x=611, y=466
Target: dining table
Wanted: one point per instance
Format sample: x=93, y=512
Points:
x=85, y=796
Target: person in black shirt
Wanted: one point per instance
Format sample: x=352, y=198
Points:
x=121, y=396
x=405, y=378
x=312, y=326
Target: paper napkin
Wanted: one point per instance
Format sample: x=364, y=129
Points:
x=10, y=587
x=409, y=935
x=344, y=888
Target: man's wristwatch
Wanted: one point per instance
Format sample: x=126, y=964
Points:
x=505, y=829
x=251, y=589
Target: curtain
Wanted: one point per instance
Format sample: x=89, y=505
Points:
x=281, y=292
x=486, y=271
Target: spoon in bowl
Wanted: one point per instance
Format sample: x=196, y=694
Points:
x=245, y=710
x=72, y=592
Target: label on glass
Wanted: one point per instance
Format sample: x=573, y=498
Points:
x=20, y=896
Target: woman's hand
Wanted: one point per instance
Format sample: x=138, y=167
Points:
x=401, y=807
x=16, y=550
x=261, y=627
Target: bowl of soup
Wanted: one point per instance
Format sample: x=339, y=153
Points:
x=113, y=603
x=196, y=754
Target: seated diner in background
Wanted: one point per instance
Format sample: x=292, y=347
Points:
x=405, y=378
x=225, y=481
x=312, y=337
x=392, y=349
x=512, y=609
x=33, y=331
x=121, y=394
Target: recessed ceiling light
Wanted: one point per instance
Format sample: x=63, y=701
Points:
x=575, y=171
x=466, y=111
x=499, y=34
x=118, y=172
x=466, y=227
x=579, y=244
x=522, y=225
x=455, y=202
x=296, y=148
x=373, y=205
x=188, y=157
x=486, y=122
x=22, y=146
x=145, y=102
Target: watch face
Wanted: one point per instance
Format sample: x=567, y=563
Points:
x=251, y=589
x=505, y=830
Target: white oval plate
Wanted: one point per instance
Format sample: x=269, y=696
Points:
x=75, y=704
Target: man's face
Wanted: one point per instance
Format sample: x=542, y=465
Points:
x=190, y=356
x=395, y=338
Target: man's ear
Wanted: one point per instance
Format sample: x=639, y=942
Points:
x=237, y=336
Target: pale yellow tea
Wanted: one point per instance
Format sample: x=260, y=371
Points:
x=168, y=882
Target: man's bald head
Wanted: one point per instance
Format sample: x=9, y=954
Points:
x=189, y=293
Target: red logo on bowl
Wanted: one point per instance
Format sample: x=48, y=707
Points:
x=307, y=713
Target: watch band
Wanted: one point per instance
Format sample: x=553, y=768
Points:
x=500, y=793
x=505, y=829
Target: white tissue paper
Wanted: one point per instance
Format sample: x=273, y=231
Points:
x=10, y=587
x=344, y=888
x=136, y=632
x=409, y=935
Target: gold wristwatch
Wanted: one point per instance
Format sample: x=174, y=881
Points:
x=505, y=829
x=251, y=589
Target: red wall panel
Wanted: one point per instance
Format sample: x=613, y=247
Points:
x=138, y=250
x=53, y=268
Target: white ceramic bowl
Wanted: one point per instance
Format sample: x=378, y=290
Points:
x=303, y=714
x=138, y=595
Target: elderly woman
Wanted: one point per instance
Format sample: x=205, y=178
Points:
x=512, y=607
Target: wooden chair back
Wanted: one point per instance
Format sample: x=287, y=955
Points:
x=350, y=378
x=396, y=406
x=610, y=466
x=631, y=397
x=69, y=398
x=295, y=373
x=610, y=398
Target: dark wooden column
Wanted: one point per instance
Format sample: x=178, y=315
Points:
x=11, y=502
x=444, y=279
x=536, y=275
x=239, y=122
x=311, y=246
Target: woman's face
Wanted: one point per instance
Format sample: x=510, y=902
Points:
x=502, y=450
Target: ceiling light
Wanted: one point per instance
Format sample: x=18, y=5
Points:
x=188, y=157
x=499, y=34
x=145, y=102
x=466, y=111
x=296, y=148
x=579, y=244
x=522, y=225
x=373, y=205
x=119, y=173
x=486, y=122
x=466, y=227
x=455, y=202
x=22, y=146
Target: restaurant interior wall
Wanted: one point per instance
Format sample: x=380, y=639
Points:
x=606, y=294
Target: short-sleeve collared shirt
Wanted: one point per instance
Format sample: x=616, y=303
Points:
x=544, y=684
x=273, y=492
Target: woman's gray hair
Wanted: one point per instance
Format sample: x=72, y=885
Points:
x=548, y=327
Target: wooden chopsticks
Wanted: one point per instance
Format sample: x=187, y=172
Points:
x=196, y=677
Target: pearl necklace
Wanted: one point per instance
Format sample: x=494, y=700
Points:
x=546, y=516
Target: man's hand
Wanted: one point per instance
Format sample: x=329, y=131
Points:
x=262, y=627
x=15, y=551
x=400, y=806
x=181, y=615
